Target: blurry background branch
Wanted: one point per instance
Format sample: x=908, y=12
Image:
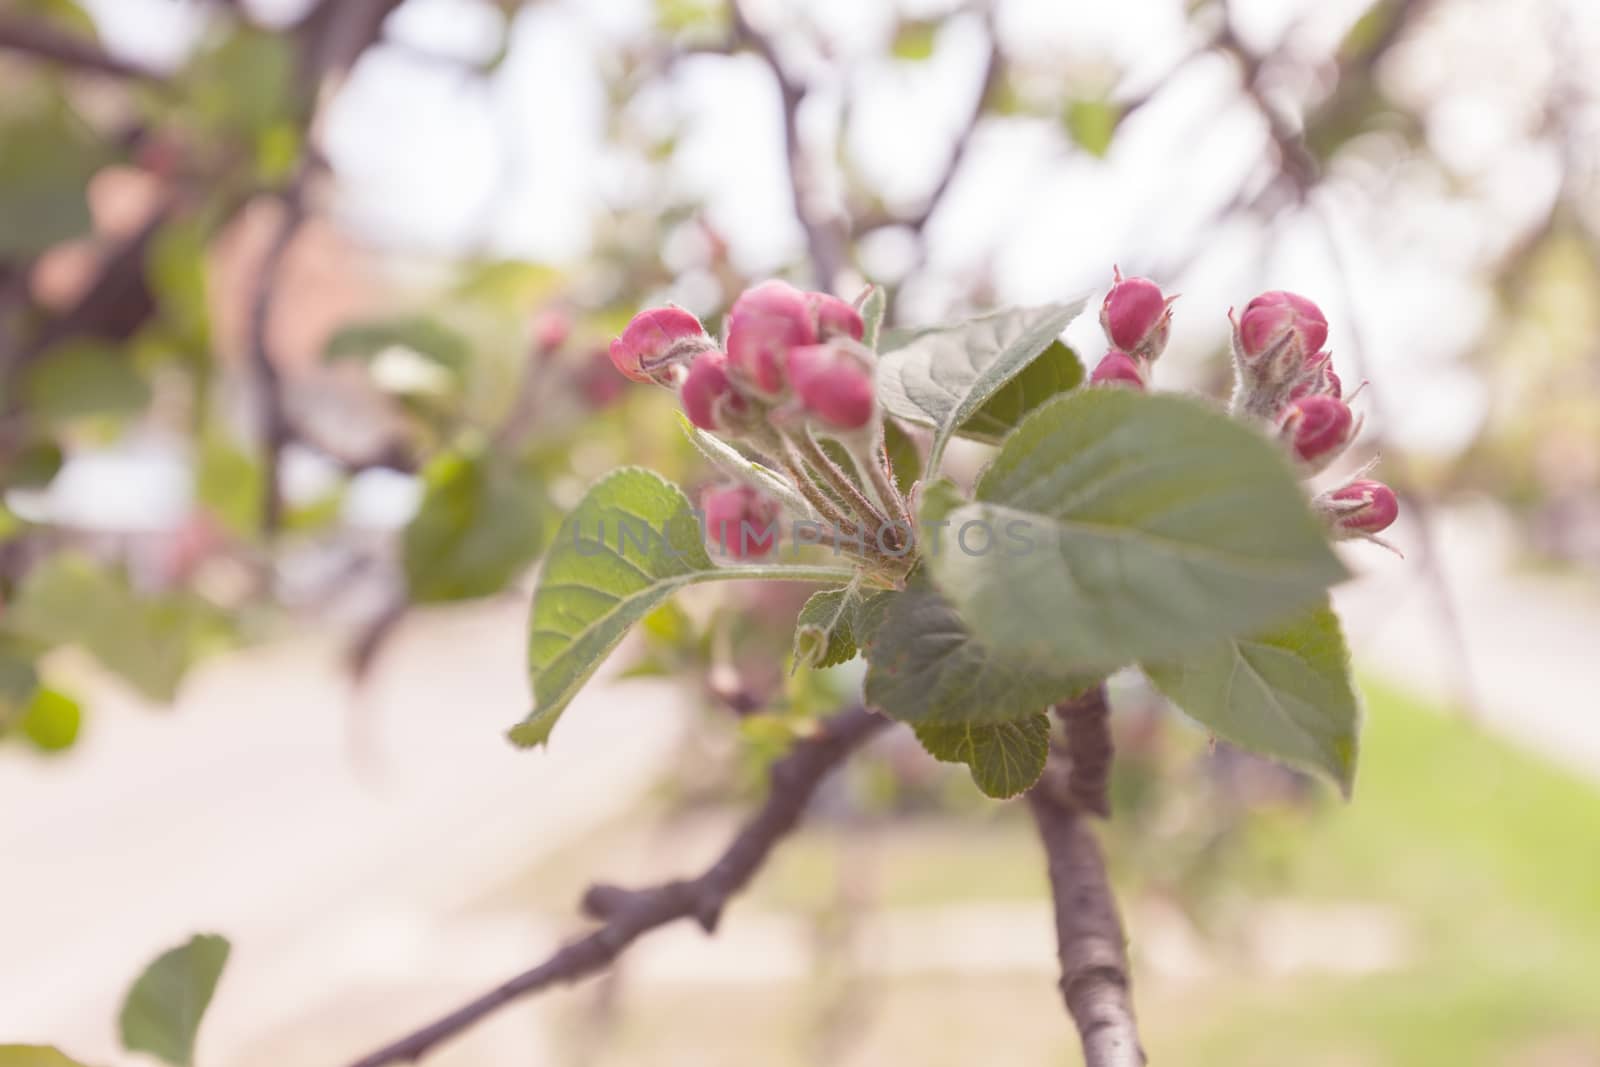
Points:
x=628, y=913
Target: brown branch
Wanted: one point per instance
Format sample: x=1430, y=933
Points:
x=824, y=243
x=629, y=913
x=272, y=413
x=1095, y=982
x=39, y=41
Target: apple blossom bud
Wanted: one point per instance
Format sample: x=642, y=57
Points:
x=1318, y=379
x=741, y=520
x=1362, y=507
x=763, y=325
x=1136, y=317
x=656, y=341
x=551, y=329
x=834, y=384
x=834, y=317
x=1117, y=368
x=1317, y=428
x=598, y=381
x=1280, y=324
x=708, y=395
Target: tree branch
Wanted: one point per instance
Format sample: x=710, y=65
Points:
x=628, y=913
x=1094, y=962
x=40, y=41
x=272, y=412
x=824, y=243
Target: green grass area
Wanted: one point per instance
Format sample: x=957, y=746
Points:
x=1486, y=858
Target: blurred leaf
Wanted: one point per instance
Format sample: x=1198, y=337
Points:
x=914, y=39
x=51, y=720
x=150, y=641
x=33, y=466
x=244, y=84
x=35, y=1056
x=479, y=526
x=47, y=156
x=163, y=1009
x=176, y=269
x=822, y=635
x=1286, y=694
x=904, y=457
x=927, y=668
x=507, y=283
x=943, y=375
x=1057, y=370
x=80, y=380
x=229, y=483
x=19, y=681
x=425, y=336
x=278, y=147
x=678, y=16
x=1121, y=527
x=1004, y=758
x=1092, y=124
x=64, y=14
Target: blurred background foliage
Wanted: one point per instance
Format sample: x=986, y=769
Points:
x=278, y=349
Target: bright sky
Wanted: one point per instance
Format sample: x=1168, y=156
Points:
x=434, y=161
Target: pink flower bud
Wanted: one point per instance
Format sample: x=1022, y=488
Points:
x=763, y=325
x=657, y=340
x=551, y=329
x=1136, y=317
x=598, y=381
x=1318, y=379
x=708, y=395
x=1117, y=368
x=834, y=383
x=1317, y=428
x=834, y=317
x=1282, y=324
x=1362, y=507
x=741, y=520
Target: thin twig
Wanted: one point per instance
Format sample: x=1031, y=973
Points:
x=1095, y=981
x=271, y=407
x=628, y=913
x=824, y=243
x=39, y=41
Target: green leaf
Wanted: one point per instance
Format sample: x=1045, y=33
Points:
x=480, y=525
x=244, y=84
x=47, y=156
x=872, y=311
x=1056, y=371
x=1092, y=124
x=163, y=1009
x=631, y=542
x=944, y=375
x=823, y=636
x=228, y=481
x=925, y=667
x=914, y=40
x=424, y=336
x=149, y=640
x=35, y=1056
x=904, y=457
x=1115, y=527
x=1285, y=694
x=1004, y=758
x=33, y=466
x=76, y=381
x=51, y=721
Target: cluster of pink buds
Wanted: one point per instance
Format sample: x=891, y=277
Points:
x=792, y=366
x=1137, y=318
x=1286, y=377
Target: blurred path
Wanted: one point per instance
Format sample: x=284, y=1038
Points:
x=1533, y=642
x=242, y=811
